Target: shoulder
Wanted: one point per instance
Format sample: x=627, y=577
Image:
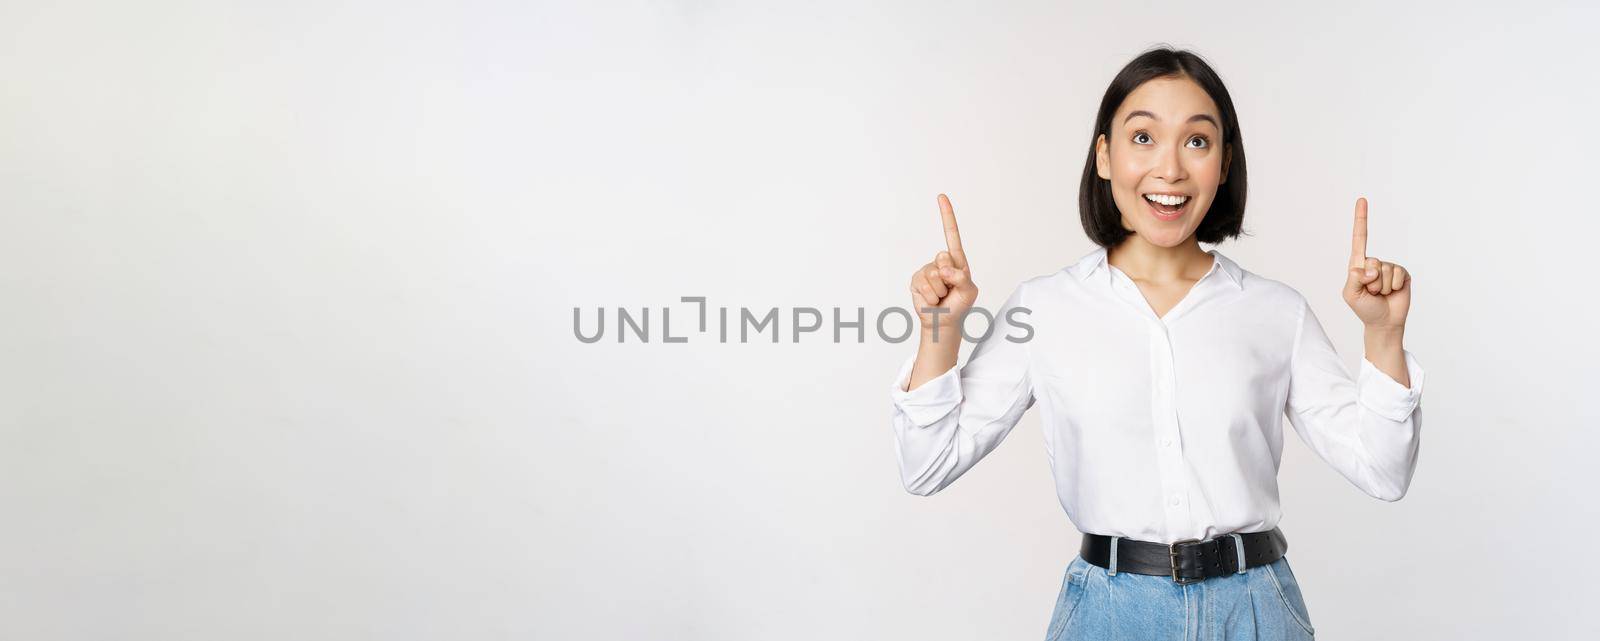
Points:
x=1261, y=288
x=1271, y=290
x=1043, y=284
x=1274, y=300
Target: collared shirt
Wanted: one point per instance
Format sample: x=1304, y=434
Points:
x=1161, y=428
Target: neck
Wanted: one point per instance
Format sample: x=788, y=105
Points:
x=1143, y=261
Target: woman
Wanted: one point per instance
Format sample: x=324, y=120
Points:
x=1162, y=371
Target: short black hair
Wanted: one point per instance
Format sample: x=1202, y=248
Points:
x=1102, y=221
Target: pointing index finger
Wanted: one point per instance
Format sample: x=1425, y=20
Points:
x=1358, y=239
x=952, y=234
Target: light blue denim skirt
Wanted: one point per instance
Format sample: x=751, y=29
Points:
x=1263, y=602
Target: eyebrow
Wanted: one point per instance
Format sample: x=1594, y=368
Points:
x=1194, y=118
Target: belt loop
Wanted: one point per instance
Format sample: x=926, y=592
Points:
x=1239, y=545
x=1112, y=571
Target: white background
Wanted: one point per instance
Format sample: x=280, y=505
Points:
x=286, y=345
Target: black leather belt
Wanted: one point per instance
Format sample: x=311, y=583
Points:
x=1189, y=560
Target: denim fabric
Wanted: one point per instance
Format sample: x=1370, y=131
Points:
x=1264, y=602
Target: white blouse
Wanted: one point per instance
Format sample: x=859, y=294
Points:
x=1161, y=428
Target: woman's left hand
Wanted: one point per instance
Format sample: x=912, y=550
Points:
x=1379, y=292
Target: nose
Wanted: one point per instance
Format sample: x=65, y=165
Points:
x=1169, y=166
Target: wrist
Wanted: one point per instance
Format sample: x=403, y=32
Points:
x=948, y=335
x=1384, y=337
x=1385, y=330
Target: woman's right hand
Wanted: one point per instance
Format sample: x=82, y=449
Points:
x=946, y=282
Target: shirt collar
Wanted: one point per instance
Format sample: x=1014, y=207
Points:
x=1095, y=261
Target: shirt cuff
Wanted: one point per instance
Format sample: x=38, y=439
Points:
x=1386, y=396
x=932, y=400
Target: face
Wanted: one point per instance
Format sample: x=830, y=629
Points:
x=1164, y=159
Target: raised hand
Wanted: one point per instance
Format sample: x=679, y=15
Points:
x=945, y=281
x=1379, y=292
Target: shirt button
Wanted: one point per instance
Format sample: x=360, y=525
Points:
x=1174, y=500
x=1166, y=442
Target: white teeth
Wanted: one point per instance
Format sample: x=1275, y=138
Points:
x=1170, y=201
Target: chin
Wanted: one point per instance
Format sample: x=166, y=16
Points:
x=1166, y=238
x=1160, y=237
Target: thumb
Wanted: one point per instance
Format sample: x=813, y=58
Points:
x=1356, y=280
x=960, y=281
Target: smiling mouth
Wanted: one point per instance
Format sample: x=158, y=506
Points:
x=1167, y=207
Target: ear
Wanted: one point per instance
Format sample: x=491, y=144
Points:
x=1227, y=161
x=1102, y=157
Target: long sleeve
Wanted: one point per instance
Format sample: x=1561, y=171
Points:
x=946, y=425
x=1367, y=428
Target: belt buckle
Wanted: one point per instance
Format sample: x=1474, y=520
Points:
x=1172, y=558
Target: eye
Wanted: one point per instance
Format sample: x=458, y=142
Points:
x=1141, y=138
x=1204, y=142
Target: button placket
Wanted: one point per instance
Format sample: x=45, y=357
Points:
x=1165, y=431
x=1169, y=446
x=1169, y=450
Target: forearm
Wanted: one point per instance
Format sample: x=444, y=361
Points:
x=935, y=357
x=1386, y=350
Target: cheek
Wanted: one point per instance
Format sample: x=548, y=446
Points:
x=1127, y=171
x=1206, y=170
